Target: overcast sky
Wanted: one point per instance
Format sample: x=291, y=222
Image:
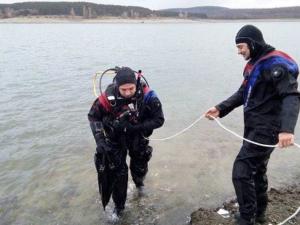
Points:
x=162, y=4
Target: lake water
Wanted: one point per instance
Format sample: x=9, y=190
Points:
x=47, y=173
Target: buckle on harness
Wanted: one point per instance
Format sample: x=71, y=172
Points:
x=112, y=100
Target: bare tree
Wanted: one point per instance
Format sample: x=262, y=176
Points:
x=72, y=13
x=85, y=13
x=8, y=12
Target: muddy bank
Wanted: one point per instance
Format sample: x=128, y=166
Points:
x=282, y=204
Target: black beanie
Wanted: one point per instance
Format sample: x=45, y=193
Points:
x=253, y=37
x=125, y=76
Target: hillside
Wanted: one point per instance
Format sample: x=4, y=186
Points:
x=85, y=10
x=88, y=10
x=212, y=12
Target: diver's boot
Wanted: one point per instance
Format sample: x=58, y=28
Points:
x=117, y=213
x=141, y=191
x=138, y=181
x=241, y=221
x=261, y=218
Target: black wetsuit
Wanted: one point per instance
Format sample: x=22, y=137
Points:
x=114, y=140
x=271, y=106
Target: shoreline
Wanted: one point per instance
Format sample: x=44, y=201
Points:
x=79, y=20
x=282, y=203
x=108, y=20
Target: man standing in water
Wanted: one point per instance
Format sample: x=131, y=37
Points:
x=271, y=105
x=121, y=119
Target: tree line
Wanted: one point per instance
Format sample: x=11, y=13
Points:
x=85, y=10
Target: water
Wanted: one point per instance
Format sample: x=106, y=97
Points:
x=47, y=174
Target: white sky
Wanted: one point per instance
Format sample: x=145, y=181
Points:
x=162, y=4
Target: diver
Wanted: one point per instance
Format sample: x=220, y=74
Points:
x=121, y=119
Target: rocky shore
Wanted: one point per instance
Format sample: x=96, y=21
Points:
x=282, y=204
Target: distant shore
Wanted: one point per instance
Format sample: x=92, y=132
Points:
x=67, y=20
x=46, y=19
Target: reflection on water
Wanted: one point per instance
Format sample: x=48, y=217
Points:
x=47, y=174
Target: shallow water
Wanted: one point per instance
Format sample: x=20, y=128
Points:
x=47, y=174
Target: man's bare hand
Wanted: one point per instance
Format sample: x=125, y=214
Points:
x=212, y=112
x=285, y=140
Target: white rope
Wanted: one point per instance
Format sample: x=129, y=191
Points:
x=292, y=216
x=297, y=145
x=222, y=126
x=240, y=137
x=178, y=133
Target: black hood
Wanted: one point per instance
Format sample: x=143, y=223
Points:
x=254, y=38
x=125, y=75
x=263, y=51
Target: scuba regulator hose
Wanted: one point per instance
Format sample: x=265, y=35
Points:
x=114, y=71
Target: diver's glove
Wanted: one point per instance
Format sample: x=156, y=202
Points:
x=127, y=127
x=123, y=126
x=133, y=128
x=102, y=143
x=119, y=126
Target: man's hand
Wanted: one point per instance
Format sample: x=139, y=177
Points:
x=131, y=128
x=119, y=126
x=212, y=112
x=285, y=140
x=103, y=145
x=126, y=127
